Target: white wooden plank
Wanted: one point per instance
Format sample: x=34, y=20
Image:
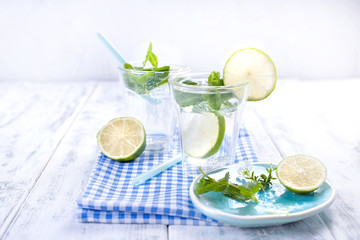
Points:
x=50, y=210
x=322, y=119
x=298, y=231
x=33, y=119
x=263, y=145
x=8, y=88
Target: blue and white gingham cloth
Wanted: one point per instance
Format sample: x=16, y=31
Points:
x=110, y=196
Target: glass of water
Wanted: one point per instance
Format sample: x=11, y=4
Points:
x=146, y=97
x=209, y=118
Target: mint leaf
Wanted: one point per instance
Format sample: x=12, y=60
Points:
x=149, y=51
x=153, y=60
x=162, y=69
x=186, y=99
x=156, y=80
x=134, y=82
x=215, y=80
x=222, y=183
x=146, y=69
x=207, y=184
x=189, y=82
x=242, y=192
x=214, y=100
x=151, y=57
x=128, y=66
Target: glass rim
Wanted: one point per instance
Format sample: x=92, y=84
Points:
x=172, y=80
x=181, y=68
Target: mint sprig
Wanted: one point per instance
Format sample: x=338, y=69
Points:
x=215, y=80
x=151, y=57
x=215, y=100
x=238, y=192
x=242, y=192
x=153, y=77
x=264, y=180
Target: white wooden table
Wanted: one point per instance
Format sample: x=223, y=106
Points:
x=48, y=148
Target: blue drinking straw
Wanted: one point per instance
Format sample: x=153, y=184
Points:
x=156, y=170
x=111, y=48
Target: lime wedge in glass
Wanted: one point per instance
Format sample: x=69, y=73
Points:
x=203, y=133
x=253, y=65
x=301, y=173
x=122, y=139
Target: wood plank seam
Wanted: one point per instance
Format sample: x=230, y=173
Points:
x=329, y=230
x=268, y=132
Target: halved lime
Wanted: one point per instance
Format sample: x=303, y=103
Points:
x=253, y=65
x=122, y=139
x=203, y=133
x=301, y=173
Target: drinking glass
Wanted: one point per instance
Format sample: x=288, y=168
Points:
x=209, y=119
x=146, y=97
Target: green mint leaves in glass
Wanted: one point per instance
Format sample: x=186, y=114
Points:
x=214, y=79
x=211, y=99
x=150, y=77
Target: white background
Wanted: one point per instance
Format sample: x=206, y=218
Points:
x=55, y=40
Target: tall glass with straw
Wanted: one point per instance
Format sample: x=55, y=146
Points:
x=145, y=91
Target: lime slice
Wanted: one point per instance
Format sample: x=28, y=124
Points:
x=251, y=65
x=122, y=139
x=203, y=133
x=301, y=173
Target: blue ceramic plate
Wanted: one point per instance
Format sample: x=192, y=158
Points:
x=276, y=204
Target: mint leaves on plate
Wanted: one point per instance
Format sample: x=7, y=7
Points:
x=242, y=192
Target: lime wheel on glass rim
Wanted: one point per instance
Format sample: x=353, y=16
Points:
x=255, y=67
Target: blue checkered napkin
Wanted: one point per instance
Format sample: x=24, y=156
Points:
x=110, y=196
